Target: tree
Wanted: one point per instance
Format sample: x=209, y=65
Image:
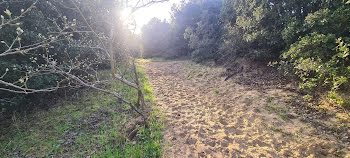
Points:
x=204, y=38
x=154, y=38
x=320, y=55
x=183, y=15
x=65, y=46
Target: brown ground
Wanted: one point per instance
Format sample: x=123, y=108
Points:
x=246, y=116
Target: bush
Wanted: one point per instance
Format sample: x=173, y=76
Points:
x=320, y=57
x=318, y=60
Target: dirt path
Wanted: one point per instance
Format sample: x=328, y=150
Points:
x=208, y=117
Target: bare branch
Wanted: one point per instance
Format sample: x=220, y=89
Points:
x=11, y=21
x=89, y=26
x=108, y=92
x=136, y=7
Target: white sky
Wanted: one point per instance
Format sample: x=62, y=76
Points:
x=159, y=10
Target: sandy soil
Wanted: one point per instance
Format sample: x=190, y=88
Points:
x=246, y=116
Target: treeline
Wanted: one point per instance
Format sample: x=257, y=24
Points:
x=307, y=38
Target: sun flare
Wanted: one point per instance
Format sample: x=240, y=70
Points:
x=125, y=14
x=143, y=15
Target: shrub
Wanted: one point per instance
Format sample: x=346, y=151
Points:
x=320, y=56
x=319, y=59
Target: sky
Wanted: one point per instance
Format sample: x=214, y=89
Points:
x=144, y=15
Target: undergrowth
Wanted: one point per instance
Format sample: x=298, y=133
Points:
x=278, y=109
x=93, y=125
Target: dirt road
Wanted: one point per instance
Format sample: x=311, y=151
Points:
x=208, y=117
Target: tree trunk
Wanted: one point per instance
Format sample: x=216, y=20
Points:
x=140, y=99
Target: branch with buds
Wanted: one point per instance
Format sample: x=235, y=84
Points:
x=74, y=71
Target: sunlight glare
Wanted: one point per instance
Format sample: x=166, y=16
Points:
x=144, y=15
x=125, y=14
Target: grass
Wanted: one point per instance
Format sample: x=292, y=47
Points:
x=160, y=59
x=216, y=91
x=340, y=99
x=279, y=109
x=92, y=125
x=152, y=60
x=276, y=129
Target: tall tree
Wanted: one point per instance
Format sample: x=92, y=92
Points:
x=155, y=38
x=183, y=16
x=204, y=37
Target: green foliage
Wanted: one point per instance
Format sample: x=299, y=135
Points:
x=148, y=145
x=91, y=125
x=18, y=64
x=292, y=30
x=259, y=30
x=204, y=37
x=216, y=91
x=338, y=99
x=151, y=138
x=321, y=56
x=310, y=37
x=185, y=15
x=279, y=109
x=166, y=40
x=155, y=38
x=252, y=29
x=36, y=26
x=317, y=60
x=146, y=87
